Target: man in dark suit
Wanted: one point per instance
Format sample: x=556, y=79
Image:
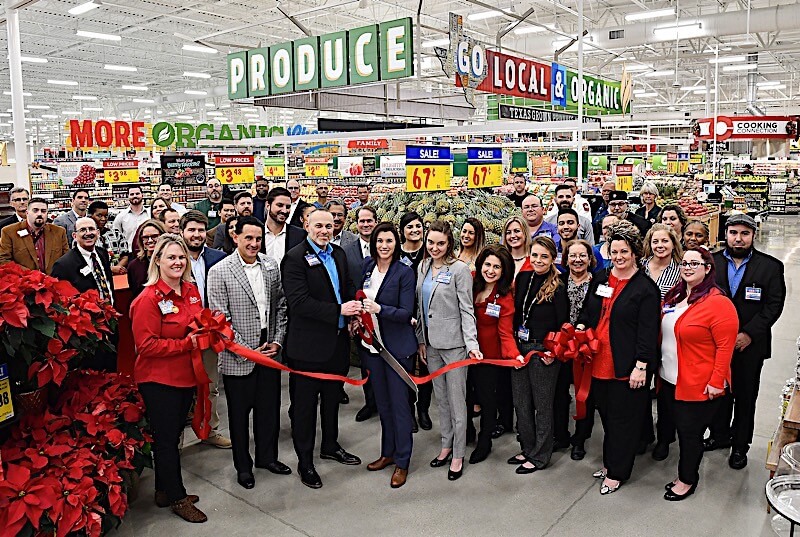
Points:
x=319, y=294
x=357, y=251
x=193, y=226
x=298, y=203
x=18, y=198
x=279, y=235
x=260, y=201
x=755, y=282
x=86, y=267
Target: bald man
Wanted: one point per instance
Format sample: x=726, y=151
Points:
x=298, y=203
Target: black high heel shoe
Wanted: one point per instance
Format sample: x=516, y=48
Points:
x=452, y=475
x=438, y=463
x=671, y=496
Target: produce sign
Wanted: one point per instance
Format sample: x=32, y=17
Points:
x=77, y=173
x=624, y=180
x=602, y=95
x=745, y=128
x=351, y=166
x=274, y=167
x=428, y=168
x=598, y=163
x=6, y=405
x=484, y=167
x=526, y=113
x=672, y=163
x=180, y=171
x=120, y=171
x=368, y=54
x=235, y=169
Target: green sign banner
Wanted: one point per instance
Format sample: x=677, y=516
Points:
x=605, y=96
x=598, y=163
x=658, y=163
x=367, y=54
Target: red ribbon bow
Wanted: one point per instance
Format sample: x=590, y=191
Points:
x=580, y=346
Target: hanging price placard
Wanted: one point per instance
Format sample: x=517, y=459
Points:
x=6, y=404
x=274, y=167
x=316, y=170
x=624, y=179
x=120, y=171
x=485, y=167
x=428, y=168
x=235, y=169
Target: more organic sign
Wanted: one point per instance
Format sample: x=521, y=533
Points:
x=504, y=74
x=598, y=94
x=371, y=53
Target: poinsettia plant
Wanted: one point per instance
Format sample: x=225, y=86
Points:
x=68, y=471
x=47, y=327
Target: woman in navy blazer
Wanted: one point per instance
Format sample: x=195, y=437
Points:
x=390, y=287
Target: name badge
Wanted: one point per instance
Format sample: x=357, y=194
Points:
x=545, y=233
x=752, y=293
x=605, y=291
x=367, y=283
x=444, y=277
x=493, y=310
x=166, y=306
x=212, y=214
x=23, y=232
x=669, y=309
x=406, y=261
x=523, y=333
x=312, y=260
x=86, y=271
x=558, y=259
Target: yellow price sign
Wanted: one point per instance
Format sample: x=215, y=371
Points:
x=316, y=170
x=234, y=175
x=275, y=171
x=484, y=175
x=121, y=171
x=427, y=177
x=624, y=182
x=6, y=404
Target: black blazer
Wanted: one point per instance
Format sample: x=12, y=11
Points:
x=297, y=214
x=355, y=262
x=756, y=317
x=294, y=236
x=397, y=296
x=635, y=325
x=312, y=307
x=7, y=221
x=545, y=317
x=68, y=267
x=642, y=224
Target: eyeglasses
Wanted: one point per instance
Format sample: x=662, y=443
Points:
x=692, y=264
x=617, y=203
x=292, y=188
x=17, y=200
x=577, y=256
x=86, y=230
x=150, y=238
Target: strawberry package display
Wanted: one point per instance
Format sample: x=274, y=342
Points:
x=86, y=176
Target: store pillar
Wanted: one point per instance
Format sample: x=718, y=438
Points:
x=17, y=101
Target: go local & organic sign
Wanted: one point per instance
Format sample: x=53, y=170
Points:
x=371, y=53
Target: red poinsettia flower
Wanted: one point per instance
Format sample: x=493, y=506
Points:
x=70, y=510
x=117, y=501
x=23, y=499
x=97, y=424
x=55, y=365
x=13, y=311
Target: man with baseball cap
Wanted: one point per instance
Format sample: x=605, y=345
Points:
x=618, y=206
x=755, y=282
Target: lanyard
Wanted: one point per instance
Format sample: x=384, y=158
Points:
x=527, y=312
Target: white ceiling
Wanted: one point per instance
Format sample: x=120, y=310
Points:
x=153, y=34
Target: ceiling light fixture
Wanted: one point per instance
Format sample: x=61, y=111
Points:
x=200, y=48
x=62, y=82
x=70, y=112
x=38, y=107
x=214, y=113
x=194, y=74
x=743, y=67
x=32, y=59
x=24, y=93
x=484, y=15
x=84, y=97
x=143, y=101
x=184, y=117
x=679, y=31
x=128, y=68
x=651, y=14
x=92, y=109
x=647, y=95
x=664, y=72
x=703, y=92
x=768, y=83
x=5, y=114
x=195, y=92
x=49, y=116
x=436, y=43
x=135, y=88
x=772, y=87
x=727, y=59
x=80, y=9
x=693, y=88
x=98, y=35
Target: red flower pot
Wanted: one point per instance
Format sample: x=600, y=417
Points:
x=34, y=402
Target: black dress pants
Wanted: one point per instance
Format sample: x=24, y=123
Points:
x=425, y=391
x=583, y=427
x=562, y=402
x=505, y=399
x=740, y=404
x=167, y=408
x=666, y=412
x=621, y=411
x=259, y=393
x=484, y=378
x=305, y=392
x=691, y=419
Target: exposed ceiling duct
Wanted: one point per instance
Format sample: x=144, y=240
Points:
x=752, y=88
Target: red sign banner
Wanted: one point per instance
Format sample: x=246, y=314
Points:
x=745, y=128
x=120, y=164
x=377, y=143
x=519, y=77
x=235, y=160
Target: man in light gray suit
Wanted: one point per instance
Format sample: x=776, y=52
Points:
x=80, y=202
x=246, y=287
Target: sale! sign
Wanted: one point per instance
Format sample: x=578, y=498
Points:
x=428, y=168
x=235, y=169
x=484, y=167
x=120, y=171
x=745, y=128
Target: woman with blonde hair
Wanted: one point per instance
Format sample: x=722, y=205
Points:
x=649, y=210
x=517, y=239
x=662, y=254
x=541, y=306
x=161, y=316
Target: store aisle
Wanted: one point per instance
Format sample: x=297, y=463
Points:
x=490, y=498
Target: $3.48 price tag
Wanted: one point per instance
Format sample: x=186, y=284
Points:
x=484, y=175
x=427, y=178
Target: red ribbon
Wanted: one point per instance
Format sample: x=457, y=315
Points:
x=580, y=346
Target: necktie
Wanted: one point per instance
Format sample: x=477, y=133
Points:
x=100, y=276
x=365, y=249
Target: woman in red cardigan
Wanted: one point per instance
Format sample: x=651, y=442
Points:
x=698, y=332
x=494, y=313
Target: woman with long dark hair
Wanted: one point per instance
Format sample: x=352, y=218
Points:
x=541, y=306
x=698, y=334
x=227, y=244
x=471, y=241
x=674, y=217
x=494, y=311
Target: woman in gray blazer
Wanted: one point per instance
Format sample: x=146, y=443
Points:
x=446, y=332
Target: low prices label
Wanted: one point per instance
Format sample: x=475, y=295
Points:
x=484, y=167
x=624, y=174
x=428, y=168
x=274, y=167
x=235, y=169
x=6, y=405
x=120, y=171
x=317, y=167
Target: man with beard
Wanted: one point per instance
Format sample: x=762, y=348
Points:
x=193, y=230
x=87, y=266
x=579, y=203
x=520, y=190
x=243, y=202
x=755, y=282
x=341, y=236
x=80, y=201
x=260, y=201
x=568, y=228
x=565, y=199
x=212, y=205
x=33, y=243
x=279, y=235
x=128, y=220
x=618, y=206
x=226, y=211
x=322, y=195
x=298, y=203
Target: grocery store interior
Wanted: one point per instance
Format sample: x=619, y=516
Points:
x=437, y=107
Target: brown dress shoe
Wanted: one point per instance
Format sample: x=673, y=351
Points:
x=162, y=501
x=399, y=477
x=186, y=510
x=380, y=464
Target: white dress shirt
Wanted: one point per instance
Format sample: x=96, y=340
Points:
x=256, y=278
x=371, y=290
x=275, y=245
x=127, y=223
x=199, y=274
x=178, y=207
x=364, y=247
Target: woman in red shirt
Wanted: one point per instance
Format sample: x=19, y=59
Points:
x=698, y=333
x=163, y=370
x=494, y=313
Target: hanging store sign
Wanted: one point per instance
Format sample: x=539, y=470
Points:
x=393, y=166
x=604, y=96
x=235, y=169
x=180, y=171
x=745, y=128
x=598, y=163
x=428, y=168
x=484, y=167
x=351, y=166
x=539, y=115
x=502, y=74
x=624, y=177
x=377, y=143
x=77, y=173
x=120, y=171
x=317, y=167
x=371, y=53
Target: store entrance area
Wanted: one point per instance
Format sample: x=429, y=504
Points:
x=490, y=499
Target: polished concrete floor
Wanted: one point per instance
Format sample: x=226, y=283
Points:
x=490, y=499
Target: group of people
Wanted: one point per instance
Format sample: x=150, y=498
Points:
x=410, y=300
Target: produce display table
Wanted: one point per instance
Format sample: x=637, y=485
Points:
x=122, y=303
